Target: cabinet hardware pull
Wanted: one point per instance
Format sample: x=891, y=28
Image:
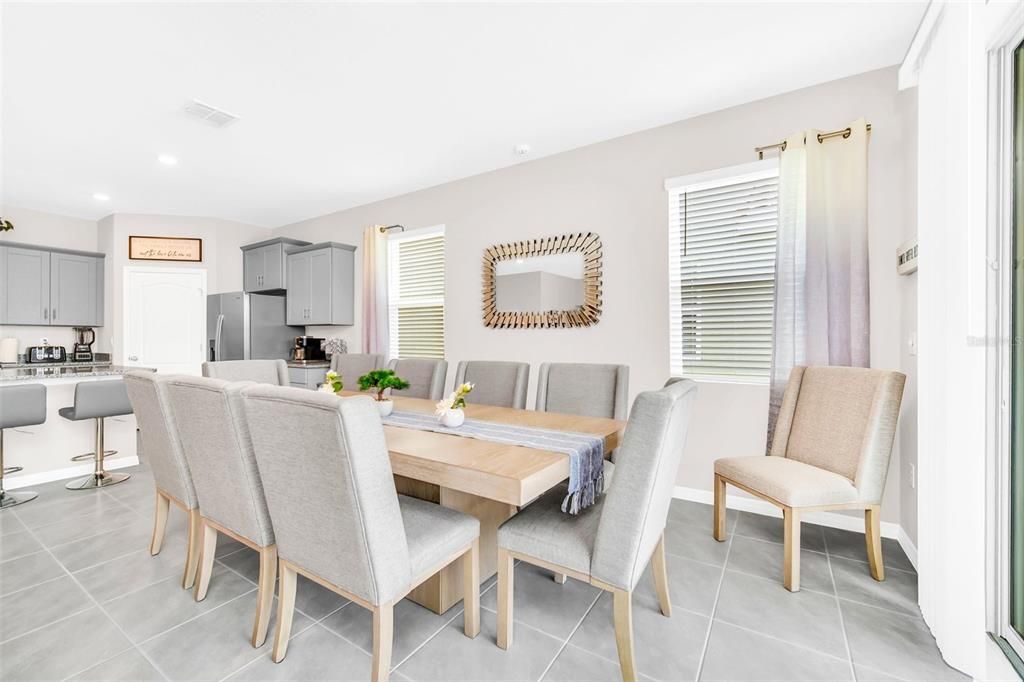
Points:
x=46, y=314
x=54, y=314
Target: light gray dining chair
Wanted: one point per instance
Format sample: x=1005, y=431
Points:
x=261, y=371
x=502, y=384
x=351, y=366
x=830, y=450
x=609, y=544
x=161, y=448
x=425, y=376
x=215, y=438
x=590, y=390
x=337, y=517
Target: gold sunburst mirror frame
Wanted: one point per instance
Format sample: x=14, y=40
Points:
x=586, y=243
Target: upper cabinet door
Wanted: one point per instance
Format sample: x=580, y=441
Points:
x=299, y=289
x=25, y=294
x=322, y=285
x=76, y=290
x=273, y=267
x=252, y=269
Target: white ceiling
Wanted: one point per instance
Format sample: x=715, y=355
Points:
x=341, y=105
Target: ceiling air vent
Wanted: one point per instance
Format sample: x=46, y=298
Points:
x=212, y=115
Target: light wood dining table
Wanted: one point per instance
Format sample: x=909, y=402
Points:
x=489, y=480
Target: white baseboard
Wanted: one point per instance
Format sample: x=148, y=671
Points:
x=15, y=482
x=829, y=519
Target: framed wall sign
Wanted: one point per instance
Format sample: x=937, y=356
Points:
x=182, y=249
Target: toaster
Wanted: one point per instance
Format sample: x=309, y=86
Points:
x=46, y=354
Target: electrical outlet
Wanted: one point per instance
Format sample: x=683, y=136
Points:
x=913, y=475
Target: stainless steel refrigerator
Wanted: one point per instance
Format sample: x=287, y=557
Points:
x=248, y=327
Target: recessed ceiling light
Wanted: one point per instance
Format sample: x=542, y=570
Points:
x=167, y=160
x=100, y=196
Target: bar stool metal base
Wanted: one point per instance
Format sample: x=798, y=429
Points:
x=93, y=481
x=92, y=455
x=14, y=499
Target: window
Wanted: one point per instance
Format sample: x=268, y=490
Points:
x=722, y=228
x=416, y=293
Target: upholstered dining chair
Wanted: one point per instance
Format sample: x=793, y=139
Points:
x=830, y=450
x=261, y=371
x=337, y=517
x=590, y=390
x=502, y=384
x=351, y=366
x=425, y=376
x=610, y=543
x=215, y=439
x=161, y=448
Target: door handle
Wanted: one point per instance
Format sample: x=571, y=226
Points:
x=133, y=358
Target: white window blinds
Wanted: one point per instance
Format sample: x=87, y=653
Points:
x=416, y=294
x=722, y=272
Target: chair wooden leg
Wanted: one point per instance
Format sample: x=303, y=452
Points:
x=660, y=570
x=163, y=506
x=505, y=589
x=192, y=553
x=622, y=609
x=559, y=578
x=791, y=549
x=207, y=552
x=873, y=537
x=471, y=590
x=265, y=594
x=719, y=523
x=285, y=610
x=383, y=635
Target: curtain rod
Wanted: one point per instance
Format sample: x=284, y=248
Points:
x=781, y=146
x=385, y=230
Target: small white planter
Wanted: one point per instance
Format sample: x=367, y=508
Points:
x=385, y=407
x=452, y=418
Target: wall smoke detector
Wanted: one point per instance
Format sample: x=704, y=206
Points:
x=212, y=115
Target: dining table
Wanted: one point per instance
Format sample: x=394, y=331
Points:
x=489, y=480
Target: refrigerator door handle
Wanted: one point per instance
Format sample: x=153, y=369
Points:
x=216, y=338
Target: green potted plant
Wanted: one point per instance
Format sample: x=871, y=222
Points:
x=381, y=380
x=332, y=383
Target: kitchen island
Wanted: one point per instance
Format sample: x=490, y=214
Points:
x=45, y=450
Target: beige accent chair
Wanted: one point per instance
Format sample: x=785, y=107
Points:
x=831, y=448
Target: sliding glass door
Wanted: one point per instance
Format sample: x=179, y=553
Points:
x=1015, y=577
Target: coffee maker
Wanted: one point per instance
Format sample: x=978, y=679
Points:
x=82, y=350
x=308, y=349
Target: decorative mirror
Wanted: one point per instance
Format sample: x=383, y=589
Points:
x=550, y=282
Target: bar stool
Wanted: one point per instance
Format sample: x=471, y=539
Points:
x=97, y=400
x=20, y=405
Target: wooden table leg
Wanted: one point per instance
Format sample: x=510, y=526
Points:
x=444, y=590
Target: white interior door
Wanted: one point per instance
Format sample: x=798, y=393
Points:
x=165, y=319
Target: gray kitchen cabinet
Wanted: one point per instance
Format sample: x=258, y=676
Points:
x=76, y=290
x=321, y=285
x=50, y=287
x=25, y=274
x=307, y=377
x=264, y=264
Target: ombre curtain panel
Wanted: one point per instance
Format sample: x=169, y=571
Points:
x=375, y=291
x=821, y=314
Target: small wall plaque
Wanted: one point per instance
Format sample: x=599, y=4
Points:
x=181, y=249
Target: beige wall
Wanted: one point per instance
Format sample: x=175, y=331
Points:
x=615, y=189
x=222, y=258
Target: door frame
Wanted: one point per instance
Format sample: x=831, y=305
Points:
x=127, y=270
x=1000, y=191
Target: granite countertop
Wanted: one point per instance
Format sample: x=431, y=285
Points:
x=59, y=371
x=37, y=365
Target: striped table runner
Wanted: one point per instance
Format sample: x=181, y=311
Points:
x=586, y=452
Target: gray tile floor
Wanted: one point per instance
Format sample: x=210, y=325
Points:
x=81, y=598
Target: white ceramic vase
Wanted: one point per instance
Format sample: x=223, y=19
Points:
x=453, y=418
x=385, y=407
